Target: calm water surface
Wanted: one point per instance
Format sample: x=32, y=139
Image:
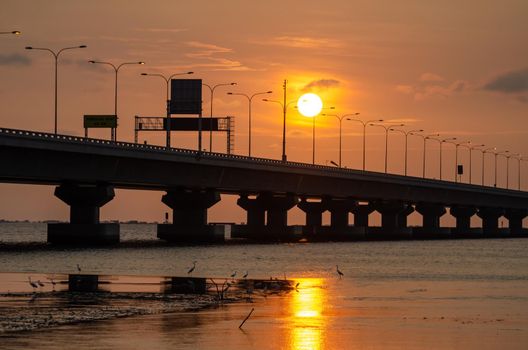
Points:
x=464, y=294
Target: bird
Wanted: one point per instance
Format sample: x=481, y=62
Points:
x=246, y=274
x=233, y=274
x=53, y=283
x=33, y=284
x=78, y=268
x=339, y=272
x=192, y=268
x=40, y=283
x=297, y=285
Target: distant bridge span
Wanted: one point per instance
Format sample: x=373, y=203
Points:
x=30, y=157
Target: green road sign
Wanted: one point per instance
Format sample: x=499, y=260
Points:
x=100, y=121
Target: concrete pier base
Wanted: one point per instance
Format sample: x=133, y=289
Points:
x=490, y=222
x=189, y=216
x=267, y=217
x=431, y=214
x=393, y=221
x=463, y=227
x=314, y=217
x=515, y=218
x=84, y=227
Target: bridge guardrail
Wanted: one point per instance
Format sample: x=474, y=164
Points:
x=214, y=155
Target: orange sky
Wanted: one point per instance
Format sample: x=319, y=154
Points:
x=456, y=68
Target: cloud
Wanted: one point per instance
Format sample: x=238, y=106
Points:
x=432, y=85
x=205, y=49
x=430, y=77
x=164, y=30
x=321, y=84
x=511, y=82
x=14, y=60
x=303, y=42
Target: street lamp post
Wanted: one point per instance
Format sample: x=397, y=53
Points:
x=406, y=133
x=167, y=81
x=508, y=167
x=313, y=135
x=340, y=118
x=442, y=142
x=56, y=56
x=497, y=154
x=487, y=150
x=470, y=149
x=458, y=144
x=250, y=99
x=387, y=128
x=424, y=138
x=212, y=89
x=284, y=109
x=368, y=122
x=116, y=70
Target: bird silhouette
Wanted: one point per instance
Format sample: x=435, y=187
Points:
x=32, y=284
x=233, y=274
x=53, y=283
x=192, y=268
x=78, y=268
x=246, y=274
x=40, y=284
x=339, y=273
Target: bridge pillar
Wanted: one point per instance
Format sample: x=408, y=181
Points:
x=189, y=216
x=272, y=206
x=490, y=220
x=277, y=206
x=84, y=226
x=339, y=228
x=392, y=225
x=515, y=221
x=314, y=216
x=431, y=214
x=463, y=216
x=361, y=213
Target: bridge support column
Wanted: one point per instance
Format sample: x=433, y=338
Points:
x=275, y=207
x=490, y=221
x=314, y=216
x=84, y=226
x=431, y=214
x=463, y=216
x=361, y=213
x=189, y=216
x=392, y=225
x=515, y=221
x=339, y=228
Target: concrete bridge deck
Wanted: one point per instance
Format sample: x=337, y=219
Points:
x=78, y=164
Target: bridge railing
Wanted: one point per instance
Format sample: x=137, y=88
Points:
x=223, y=156
x=139, y=146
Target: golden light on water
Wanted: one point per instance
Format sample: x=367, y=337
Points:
x=308, y=324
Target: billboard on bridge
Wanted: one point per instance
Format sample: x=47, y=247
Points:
x=186, y=96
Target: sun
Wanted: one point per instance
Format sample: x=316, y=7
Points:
x=309, y=105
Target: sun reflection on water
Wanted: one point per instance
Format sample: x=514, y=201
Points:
x=308, y=324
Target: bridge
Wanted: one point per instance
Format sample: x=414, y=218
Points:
x=86, y=171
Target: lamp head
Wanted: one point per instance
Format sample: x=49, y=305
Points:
x=83, y=47
x=141, y=62
x=269, y=92
x=230, y=93
x=91, y=61
x=232, y=83
x=144, y=74
x=29, y=47
x=16, y=32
